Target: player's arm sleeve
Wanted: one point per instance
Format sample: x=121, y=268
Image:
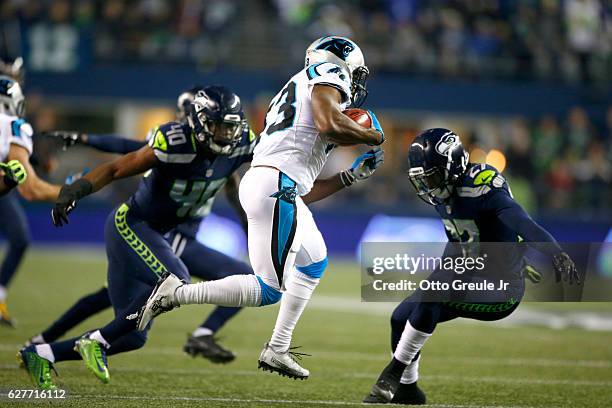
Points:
x=513, y=216
x=21, y=135
x=113, y=143
x=332, y=75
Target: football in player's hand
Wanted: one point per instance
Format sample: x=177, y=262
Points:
x=359, y=116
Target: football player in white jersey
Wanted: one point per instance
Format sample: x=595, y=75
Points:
x=287, y=252
x=16, y=171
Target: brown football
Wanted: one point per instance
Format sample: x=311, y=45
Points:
x=360, y=116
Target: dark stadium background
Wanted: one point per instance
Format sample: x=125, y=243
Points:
x=526, y=83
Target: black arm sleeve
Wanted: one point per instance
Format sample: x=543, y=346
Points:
x=512, y=215
x=113, y=143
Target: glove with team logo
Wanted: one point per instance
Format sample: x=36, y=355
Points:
x=376, y=126
x=14, y=173
x=363, y=167
x=68, y=138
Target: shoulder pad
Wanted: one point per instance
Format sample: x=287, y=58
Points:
x=21, y=133
x=480, y=179
x=173, y=142
x=330, y=74
x=247, y=143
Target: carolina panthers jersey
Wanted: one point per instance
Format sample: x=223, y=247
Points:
x=14, y=130
x=290, y=141
x=183, y=184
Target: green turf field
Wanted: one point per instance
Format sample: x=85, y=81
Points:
x=469, y=365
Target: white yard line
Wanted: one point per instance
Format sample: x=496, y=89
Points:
x=365, y=375
x=383, y=357
x=280, y=401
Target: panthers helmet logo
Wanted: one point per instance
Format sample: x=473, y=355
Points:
x=338, y=46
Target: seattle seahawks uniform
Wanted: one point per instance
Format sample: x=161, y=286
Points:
x=201, y=261
x=13, y=131
x=182, y=185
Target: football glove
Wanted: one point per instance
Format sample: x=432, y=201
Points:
x=565, y=269
x=363, y=167
x=14, y=173
x=377, y=127
x=68, y=197
x=68, y=138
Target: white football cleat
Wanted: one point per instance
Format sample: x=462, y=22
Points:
x=284, y=364
x=161, y=299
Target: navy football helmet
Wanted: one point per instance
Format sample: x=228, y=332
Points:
x=437, y=160
x=184, y=101
x=217, y=119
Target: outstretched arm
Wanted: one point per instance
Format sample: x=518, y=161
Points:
x=33, y=188
x=362, y=168
x=513, y=216
x=124, y=166
x=337, y=127
x=106, y=143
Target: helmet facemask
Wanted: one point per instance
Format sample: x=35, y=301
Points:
x=218, y=136
x=432, y=186
x=359, y=92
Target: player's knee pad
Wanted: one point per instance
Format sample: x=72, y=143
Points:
x=314, y=270
x=269, y=295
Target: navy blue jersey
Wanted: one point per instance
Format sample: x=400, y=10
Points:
x=471, y=214
x=482, y=209
x=183, y=184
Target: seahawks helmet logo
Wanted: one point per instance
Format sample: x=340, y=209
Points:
x=447, y=143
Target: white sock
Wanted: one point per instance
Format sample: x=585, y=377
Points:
x=235, y=290
x=44, y=350
x=410, y=343
x=298, y=290
x=97, y=336
x=2, y=294
x=38, y=339
x=411, y=372
x=202, y=331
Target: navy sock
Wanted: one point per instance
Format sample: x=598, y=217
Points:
x=121, y=325
x=84, y=308
x=219, y=317
x=64, y=350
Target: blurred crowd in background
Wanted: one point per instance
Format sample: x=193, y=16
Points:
x=554, y=162
x=565, y=40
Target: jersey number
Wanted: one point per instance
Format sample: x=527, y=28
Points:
x=194, y=196
x=282, y=110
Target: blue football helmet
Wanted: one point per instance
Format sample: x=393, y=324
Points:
x=347, y=54
x=217, y=119
x=436, y=161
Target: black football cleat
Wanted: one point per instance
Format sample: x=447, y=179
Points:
x=409, y=394
x=387, y=384
x=208, y=348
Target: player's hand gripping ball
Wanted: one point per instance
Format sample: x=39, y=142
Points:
x=367, y=119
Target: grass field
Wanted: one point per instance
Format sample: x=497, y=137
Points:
x=465, y=365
